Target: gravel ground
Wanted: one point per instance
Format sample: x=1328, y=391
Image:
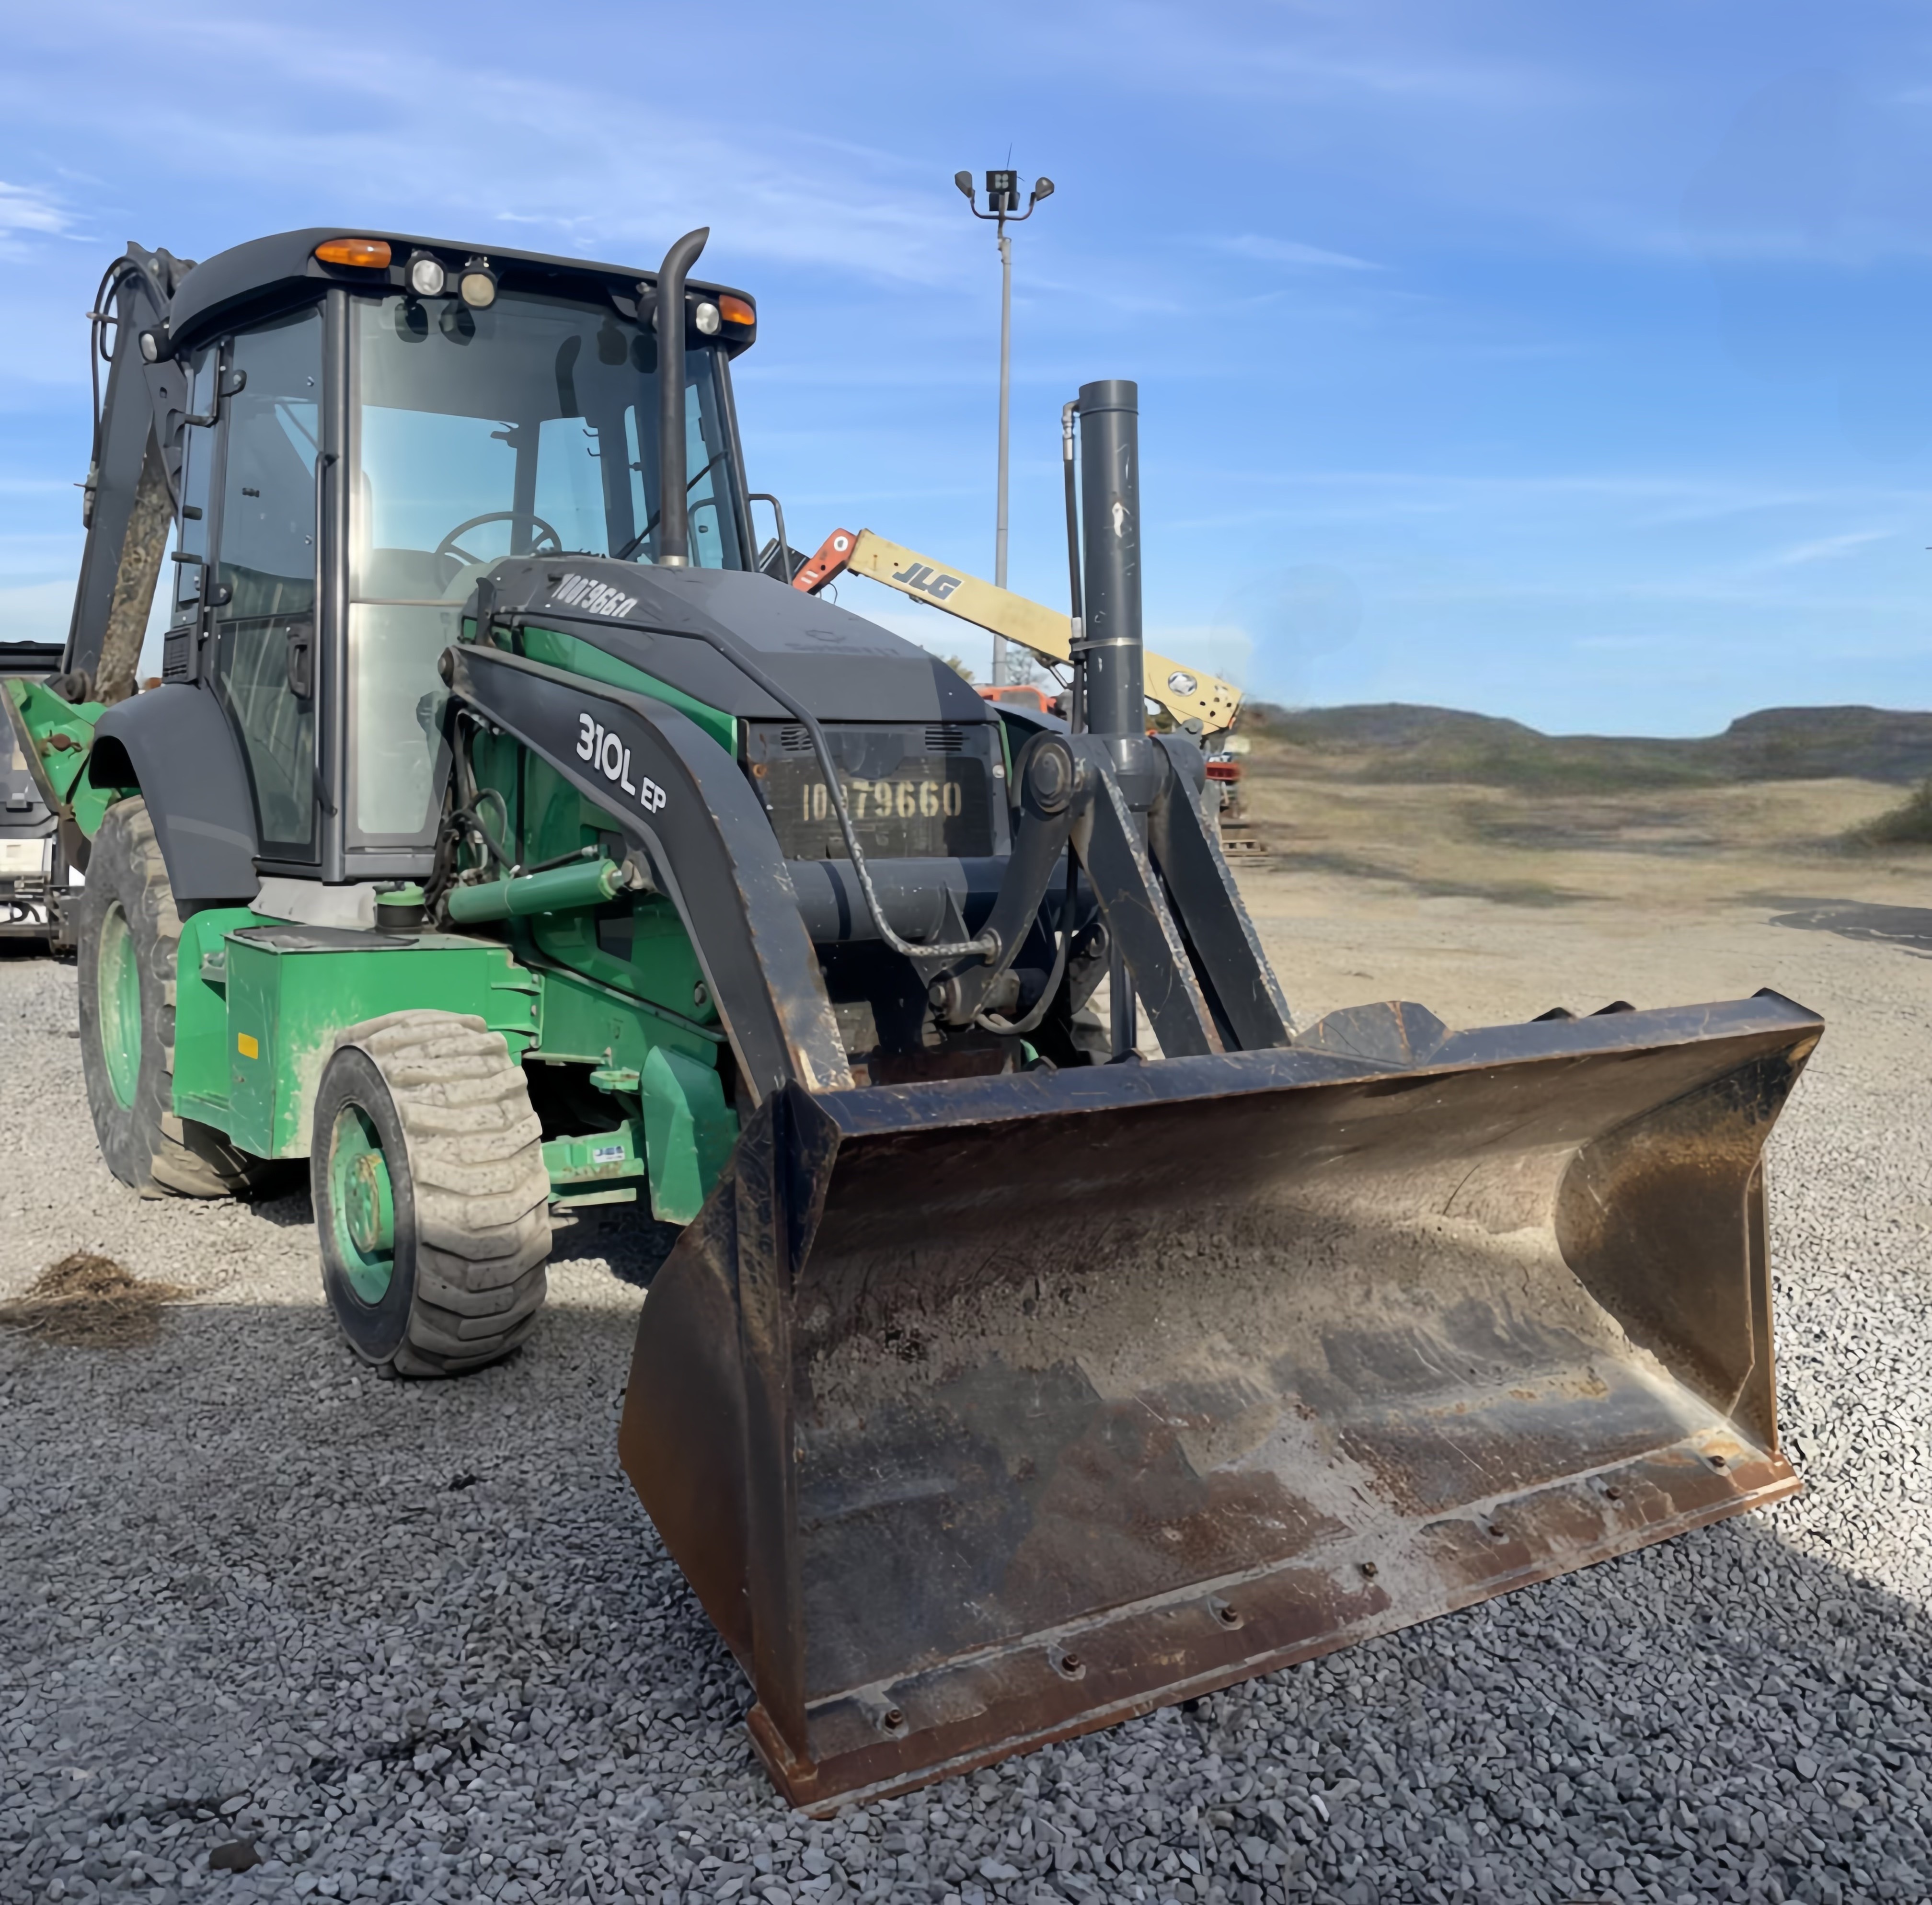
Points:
x=412, y=1641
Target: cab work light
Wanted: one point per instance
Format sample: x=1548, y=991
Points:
x=478, y=286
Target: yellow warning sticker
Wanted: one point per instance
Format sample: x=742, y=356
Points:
x=244, y=1043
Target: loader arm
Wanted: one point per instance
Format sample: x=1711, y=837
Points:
x=1187, y=694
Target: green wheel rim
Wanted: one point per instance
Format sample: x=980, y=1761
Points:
x=362, y=1204
x=118, y=980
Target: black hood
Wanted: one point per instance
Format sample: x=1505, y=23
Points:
x=839, y=665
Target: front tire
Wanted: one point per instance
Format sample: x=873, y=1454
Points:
x=432, y=1202
x=128, y=933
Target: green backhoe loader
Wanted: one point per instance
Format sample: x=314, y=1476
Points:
x=501, y=838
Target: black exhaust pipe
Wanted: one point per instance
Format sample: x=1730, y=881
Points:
x=673, y=519
x=1110, y=483
x=1113, y=672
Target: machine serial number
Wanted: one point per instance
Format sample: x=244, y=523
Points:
x=870, y=800
x=924, y=803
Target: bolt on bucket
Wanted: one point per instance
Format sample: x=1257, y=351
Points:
x=985, y=1412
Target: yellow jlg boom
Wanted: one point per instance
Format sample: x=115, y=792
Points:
x=1189, y=694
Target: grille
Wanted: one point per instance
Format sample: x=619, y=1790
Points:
x=948, y=739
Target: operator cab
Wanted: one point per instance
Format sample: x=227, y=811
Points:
x=364, y=427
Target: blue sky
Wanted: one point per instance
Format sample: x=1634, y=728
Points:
x=1567, y=362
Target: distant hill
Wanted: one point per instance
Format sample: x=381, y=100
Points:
x=1394, y=741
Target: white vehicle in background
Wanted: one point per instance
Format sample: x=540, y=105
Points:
x=33, y=873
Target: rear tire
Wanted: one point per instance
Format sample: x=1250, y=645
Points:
x=127, y=933
x=432, y=1202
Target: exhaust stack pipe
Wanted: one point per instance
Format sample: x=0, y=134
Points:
x=673, y=519
x=1113, y=674
x=1110, y=482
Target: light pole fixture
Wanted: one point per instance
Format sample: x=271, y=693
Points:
x=1002, y=207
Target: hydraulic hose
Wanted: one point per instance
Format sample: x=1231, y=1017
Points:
x=988, y=1021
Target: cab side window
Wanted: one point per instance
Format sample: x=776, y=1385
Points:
x=263, y=602
x=267, y=561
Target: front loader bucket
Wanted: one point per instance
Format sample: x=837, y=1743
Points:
x=985, y=1412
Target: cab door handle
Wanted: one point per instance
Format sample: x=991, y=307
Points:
x=301, y=659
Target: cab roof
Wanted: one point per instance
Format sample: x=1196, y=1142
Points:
x=266, y=272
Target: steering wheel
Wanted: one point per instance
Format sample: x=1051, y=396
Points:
x=450, y=549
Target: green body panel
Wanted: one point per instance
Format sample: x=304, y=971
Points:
x=557, y=650
x=689, y=1131
x=584, y=1022
x=291, y=994
x=202, y=1043
x=57, y=736
x=287, y=1001
x=639, y=948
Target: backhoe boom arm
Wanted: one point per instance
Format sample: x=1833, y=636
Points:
x=133, y=482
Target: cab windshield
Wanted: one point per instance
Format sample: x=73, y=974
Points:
x=530, y=428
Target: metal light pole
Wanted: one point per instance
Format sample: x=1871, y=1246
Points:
x=1003, y=199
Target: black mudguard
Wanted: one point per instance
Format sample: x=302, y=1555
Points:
x=180, y=750
x=177, y=746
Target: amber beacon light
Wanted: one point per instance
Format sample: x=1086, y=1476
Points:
x=372, y=254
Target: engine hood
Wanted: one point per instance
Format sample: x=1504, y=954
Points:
x=838, y=664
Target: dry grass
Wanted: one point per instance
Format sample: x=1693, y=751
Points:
x=1657, y=847
x=89, y=1302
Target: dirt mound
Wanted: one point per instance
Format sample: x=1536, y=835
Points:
x=89, y=1302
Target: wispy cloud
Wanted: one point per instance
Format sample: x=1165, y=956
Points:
x=1289, y=251
x=1826, y=547
x=27, y=213
x=582, y=159
x=24, y=209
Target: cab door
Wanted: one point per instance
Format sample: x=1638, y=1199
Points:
x=261, y=605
